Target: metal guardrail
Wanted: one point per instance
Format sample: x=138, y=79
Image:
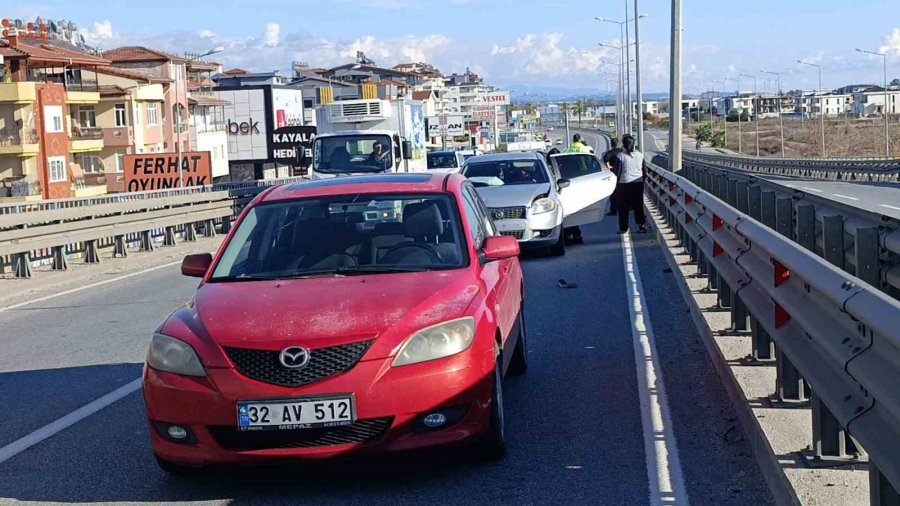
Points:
x=823, y=327
x=56, y=229
x=862, y=243
x=836, y=169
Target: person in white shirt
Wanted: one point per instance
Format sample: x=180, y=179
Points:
x=630, y=190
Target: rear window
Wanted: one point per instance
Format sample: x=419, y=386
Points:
x=572, y=167
x=442, y=161
x=506, y=173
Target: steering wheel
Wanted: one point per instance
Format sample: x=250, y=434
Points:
x=435, y=257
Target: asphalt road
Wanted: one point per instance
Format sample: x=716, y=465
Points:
x=878, y=198
x=574, y=420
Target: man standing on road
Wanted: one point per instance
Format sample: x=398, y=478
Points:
x=578, y=145
x=630, y=188
x=611, y=162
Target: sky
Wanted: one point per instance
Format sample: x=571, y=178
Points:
x=513, y=43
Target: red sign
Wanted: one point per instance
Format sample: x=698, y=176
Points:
x=159, y=171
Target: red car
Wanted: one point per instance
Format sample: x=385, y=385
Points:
x=346, y=316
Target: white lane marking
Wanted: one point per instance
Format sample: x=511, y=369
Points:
x=812, y=189
x=660, y=448
x=891, y=207
x=16, y=447
x=838, y=195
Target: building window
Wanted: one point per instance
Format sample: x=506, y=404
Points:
x=121, y=115
x=120, y=160
x=87, y=117
x=57, y=168
x=90, y=164
x=152, y=114
x=177, y=72
x=53, y=120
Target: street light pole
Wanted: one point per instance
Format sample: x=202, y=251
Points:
x=740, y=114
x=724, y=110
x=887, y=130
x=821, y=104
x=637, y=68
x=755, y=110
x=178, y=125
x=625, y=59
x=675, y=88
x=780, y=116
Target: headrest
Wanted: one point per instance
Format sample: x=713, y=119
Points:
x=422, y=219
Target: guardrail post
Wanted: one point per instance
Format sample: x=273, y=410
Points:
x=742, y=199
x=881, y=492
x=147, y=240
x=789, y=385
x=169, y=238
x=754, y=206
x=190, y=232
x=726, y=295
x=60, y=262
x=740, y=317
x=784, y=216
x=767, y=208
x=702, y=264
x=209, y=228
x=731, y=192
x=91, y=252
x=833, y=240
x=120, y=247
x=806, y=226
x=868, y=259
x=22, y=263
x=829, y=439
x=226, y=224
x=762, y=346
x=713, y=278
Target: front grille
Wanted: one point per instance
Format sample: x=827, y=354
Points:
x=263, y=365
x=362, y=431
x=518, y=234
x=507, y=213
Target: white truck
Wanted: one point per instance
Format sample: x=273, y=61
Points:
x=369, y=137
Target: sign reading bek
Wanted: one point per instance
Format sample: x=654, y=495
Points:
x=159, y=171
x=292, y=145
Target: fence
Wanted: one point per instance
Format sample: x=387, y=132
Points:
x=835, y=338
x=838, y=169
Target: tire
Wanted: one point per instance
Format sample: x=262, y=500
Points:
x=519, y=363
x=559, y=249
x=492, y=445
x=177, y=469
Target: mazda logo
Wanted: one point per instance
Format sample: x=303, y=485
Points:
x=294, y=357
x=498, y=214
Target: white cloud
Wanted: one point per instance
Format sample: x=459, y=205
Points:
x=206, y=34
x=892, y=43
x=273, y=34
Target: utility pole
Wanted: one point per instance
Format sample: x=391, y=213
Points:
x=675, y=89
x=780, y=116
x=819, y=94
x=886, y=111
x=637, y=68
x=740, y=114
x=755, y=102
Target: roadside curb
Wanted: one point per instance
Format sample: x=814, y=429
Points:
x=765, y=456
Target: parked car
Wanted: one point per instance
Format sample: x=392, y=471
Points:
x=445, y=162
x=532, y=202
x=358, y=315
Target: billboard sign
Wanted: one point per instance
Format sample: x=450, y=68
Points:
x=484, y=113
x=494, y=98
x=159, y=171
x=452, y=125
x=292, y=145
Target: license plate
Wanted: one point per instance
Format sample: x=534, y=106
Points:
x=510, y=225
x=289, y=414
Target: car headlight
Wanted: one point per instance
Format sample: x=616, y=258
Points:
x=543, y=205
x=172, y=355
x=439, y=341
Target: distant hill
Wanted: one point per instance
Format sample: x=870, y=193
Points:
x=542, y=94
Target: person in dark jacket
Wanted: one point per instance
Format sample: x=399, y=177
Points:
x=611, y=161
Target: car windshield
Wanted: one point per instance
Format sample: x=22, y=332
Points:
x=357, y=153
x=344, y=235
x=506, y=173
x=575, y=166
x=442, y=161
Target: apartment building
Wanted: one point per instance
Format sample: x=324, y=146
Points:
x=207, y=115
x=834, y=104
x=872, y=103
x=45, y=86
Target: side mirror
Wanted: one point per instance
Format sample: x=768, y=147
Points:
x=196, y=266
x=407, y=150
x=500, y=247
x=563, y=183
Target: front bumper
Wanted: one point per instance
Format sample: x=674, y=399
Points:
x=533, y=231
x=389, y=404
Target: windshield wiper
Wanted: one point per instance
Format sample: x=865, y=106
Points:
x=241, y=278
x=356, y=270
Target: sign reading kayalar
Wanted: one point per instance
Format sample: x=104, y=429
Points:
x=292, y=145
x=159, y=171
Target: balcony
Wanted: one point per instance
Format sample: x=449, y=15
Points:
x=118, y=136
x=19, y=142
x=84, y=140
x=18, y=93
x=208, y=128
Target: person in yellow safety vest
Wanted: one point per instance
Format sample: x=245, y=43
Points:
x=579, y=146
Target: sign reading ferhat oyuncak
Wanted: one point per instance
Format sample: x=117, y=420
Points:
x=292, y=145
x=159, y=171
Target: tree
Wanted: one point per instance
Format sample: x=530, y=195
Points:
x=895, y=82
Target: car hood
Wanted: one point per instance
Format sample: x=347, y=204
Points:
x=328, y=311
x=513, y=195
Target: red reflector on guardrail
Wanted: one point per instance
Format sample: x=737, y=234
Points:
x=717, y=250
x=782, y=273
x=688, y=218
x=717, y=222
x=781, y=317
x=688, y=199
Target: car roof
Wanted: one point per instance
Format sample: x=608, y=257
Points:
x=493, y=157
x=443, y=152
x=418, y=182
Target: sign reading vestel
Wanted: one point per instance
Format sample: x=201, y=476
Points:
x=159, y=171
x=292, y=145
